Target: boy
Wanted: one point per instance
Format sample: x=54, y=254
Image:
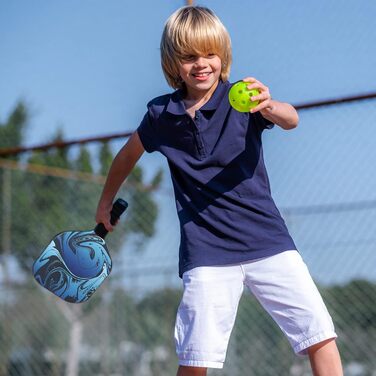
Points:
x=232, y=234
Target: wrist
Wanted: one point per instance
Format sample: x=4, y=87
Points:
x=270, y=109
x=105, y=202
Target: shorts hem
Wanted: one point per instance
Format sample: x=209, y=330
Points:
x=302, y=348
x=200, y=363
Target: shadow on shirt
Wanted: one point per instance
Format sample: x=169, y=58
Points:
x=238, y=175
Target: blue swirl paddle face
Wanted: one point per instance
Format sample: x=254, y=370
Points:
x=73, y=265
x=76, y=263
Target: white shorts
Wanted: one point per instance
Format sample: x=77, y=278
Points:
x=281, y=283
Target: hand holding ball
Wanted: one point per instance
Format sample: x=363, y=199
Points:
x=240, y=97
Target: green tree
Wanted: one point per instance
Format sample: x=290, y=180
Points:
x=105, y=158
x=56, y=200
x=353, y=309
x=48, y=196
x=11, y=134
x=147, y=325
x=12, y=131
x=83, y=162
x=257, y=344
x=143, y=214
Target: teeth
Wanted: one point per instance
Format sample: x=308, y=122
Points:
x=201, y=74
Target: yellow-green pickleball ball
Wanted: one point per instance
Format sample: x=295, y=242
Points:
x=240, y=97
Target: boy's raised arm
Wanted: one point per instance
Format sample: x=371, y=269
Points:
x=120, y=168
x=280, y=113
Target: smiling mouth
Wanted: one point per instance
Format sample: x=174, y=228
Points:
x=199, y=75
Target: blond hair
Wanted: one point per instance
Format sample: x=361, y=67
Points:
x=193, y=30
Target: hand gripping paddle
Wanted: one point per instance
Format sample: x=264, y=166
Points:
x=76, y=263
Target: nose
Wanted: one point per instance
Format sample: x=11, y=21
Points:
x=201, y=61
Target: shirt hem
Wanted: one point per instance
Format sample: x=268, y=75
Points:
x=251, y=256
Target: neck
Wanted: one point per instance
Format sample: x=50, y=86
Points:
x=197, y=98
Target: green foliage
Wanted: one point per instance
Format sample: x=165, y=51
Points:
x=257, y=345
x=264, y=348
x=13, y=130
x=83, y=162
x=132, y=327
x=142, y=326
x=43, y=204
x=353, y=309
x=33, y=327
x=157, y=312
x=144, y=211
x=51, y=196
x=105, y=158
x=361, y=312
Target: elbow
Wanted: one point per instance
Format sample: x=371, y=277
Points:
x=293, y=125
x=295, y=121
x=290, y=125
x=289, y=119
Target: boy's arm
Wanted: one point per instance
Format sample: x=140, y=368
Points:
x=282, y=114
x=120, y=168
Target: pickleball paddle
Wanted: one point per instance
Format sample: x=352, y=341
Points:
x=76, y=263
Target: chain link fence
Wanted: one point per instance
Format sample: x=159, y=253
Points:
x=322, y=177
x=323, y=180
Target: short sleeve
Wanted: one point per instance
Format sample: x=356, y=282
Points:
x=147, y=133
x=262, y=122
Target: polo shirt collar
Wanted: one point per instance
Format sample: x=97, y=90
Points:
x=176, y=104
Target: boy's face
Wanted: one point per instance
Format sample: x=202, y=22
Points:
x=200, y=73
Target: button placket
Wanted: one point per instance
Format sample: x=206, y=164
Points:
x=198, y=138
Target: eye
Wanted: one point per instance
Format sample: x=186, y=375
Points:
x=211, y=55
x=188, y=57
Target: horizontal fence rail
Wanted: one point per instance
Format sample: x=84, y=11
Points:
x=322, y=177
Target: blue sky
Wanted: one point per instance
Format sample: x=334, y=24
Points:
x=90, y=67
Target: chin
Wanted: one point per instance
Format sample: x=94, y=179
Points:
x=205, y=85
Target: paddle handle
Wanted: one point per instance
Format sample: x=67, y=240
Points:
x=117, y=210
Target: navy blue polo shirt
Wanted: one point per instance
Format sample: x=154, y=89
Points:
x=222, y=192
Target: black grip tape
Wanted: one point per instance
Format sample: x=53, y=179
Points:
x=117, y=210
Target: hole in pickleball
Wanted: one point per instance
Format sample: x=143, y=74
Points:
x=240, y=91
x=243, y=102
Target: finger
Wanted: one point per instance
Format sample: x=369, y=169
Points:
x=111, y=225
x=106, y=223
x=249, y=79
x=263, y=96
x=108, y=226
x=258, y=85
x=254, y=85
x=260, y=106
